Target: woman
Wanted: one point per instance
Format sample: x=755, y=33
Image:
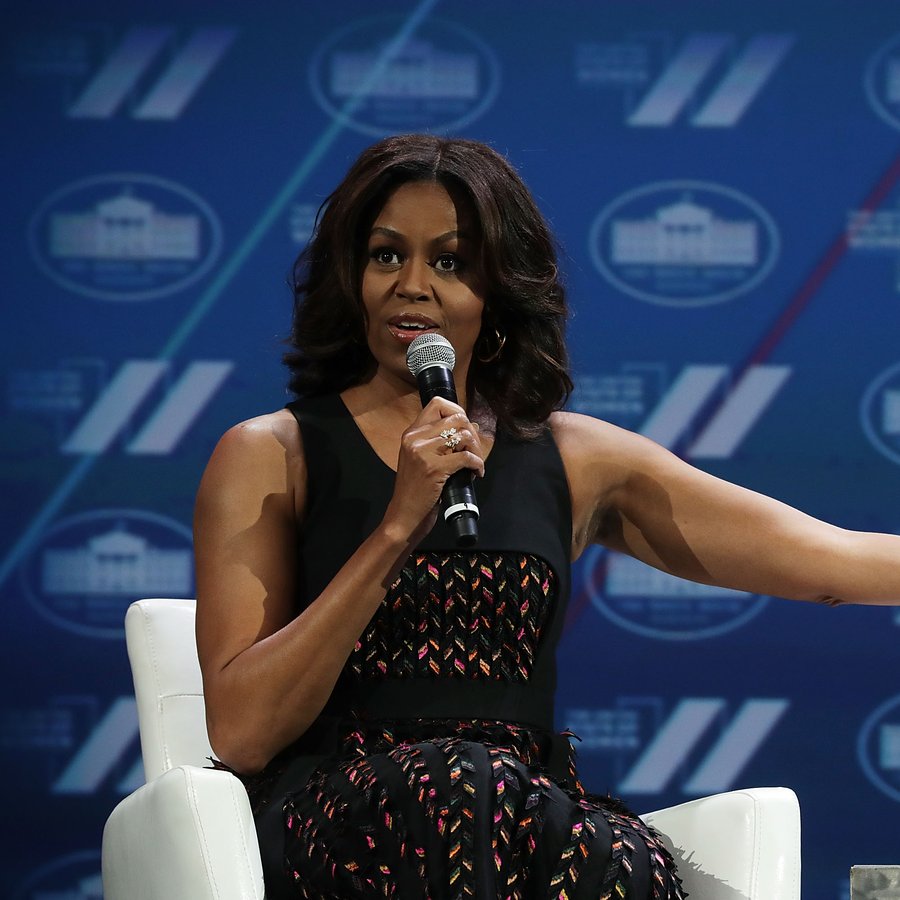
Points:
x=386, y=697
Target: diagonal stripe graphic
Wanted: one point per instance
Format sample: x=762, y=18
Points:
x=744, y=80
x=102, y=751
x=680, y=80
x=736, y=746
x=671, y=746
x=682, y=403
x=133, y=779
x=115, y=406
x=225, y=274
x=121, y=73
x=185, y=74
x=180, y=409
x=740, y=412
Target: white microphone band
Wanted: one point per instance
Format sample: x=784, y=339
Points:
x=457, y=508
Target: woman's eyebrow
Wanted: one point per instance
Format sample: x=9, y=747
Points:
x=384, y=231
x=387, y=232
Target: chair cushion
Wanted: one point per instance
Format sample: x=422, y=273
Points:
x=188, y=833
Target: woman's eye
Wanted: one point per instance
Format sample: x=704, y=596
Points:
x=385, y=257
x=448, y=262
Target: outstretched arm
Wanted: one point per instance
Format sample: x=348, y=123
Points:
x=632, y=495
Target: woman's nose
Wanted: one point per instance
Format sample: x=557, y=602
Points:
x=413, y=281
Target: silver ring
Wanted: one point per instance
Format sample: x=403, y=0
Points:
x=451, y=438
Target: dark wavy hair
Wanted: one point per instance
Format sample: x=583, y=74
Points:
x=524, y=299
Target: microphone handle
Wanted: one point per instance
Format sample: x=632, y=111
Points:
x=458, y=495
x=436, y=381
x=460, y=509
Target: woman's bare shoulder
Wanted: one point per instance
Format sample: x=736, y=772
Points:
x=600, y=457
x=270, y=429
x=578, y=435
x=259, y=456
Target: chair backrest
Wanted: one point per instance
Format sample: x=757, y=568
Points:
x=168, y=687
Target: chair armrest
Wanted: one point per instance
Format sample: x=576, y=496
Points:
x=741, y=845
x=186, y=835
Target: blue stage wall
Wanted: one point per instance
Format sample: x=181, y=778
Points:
x=723, y=179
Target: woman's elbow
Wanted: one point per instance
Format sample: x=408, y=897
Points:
x=249, y=749
x=829, y=600
x=239, y=752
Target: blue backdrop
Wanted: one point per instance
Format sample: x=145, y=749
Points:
x=723, y=179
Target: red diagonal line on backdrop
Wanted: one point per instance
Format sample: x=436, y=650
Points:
x=779, y=328
x=812, y=284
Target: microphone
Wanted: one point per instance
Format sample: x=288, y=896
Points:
x=431, y=359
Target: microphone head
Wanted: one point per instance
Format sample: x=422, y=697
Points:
x=430, y=349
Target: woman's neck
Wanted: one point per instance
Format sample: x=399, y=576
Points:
x=384, y=393
x=383, y=413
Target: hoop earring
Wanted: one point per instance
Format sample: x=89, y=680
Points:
x=501, y=341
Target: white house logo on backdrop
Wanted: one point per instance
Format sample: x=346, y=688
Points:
x=684, y=243
x=880, y=413
x=72, y=877
x=708, y=80
x=441, y=79
x=882, y=81
x=642, y=398
x=705, y=743
x=654, y=604
x=878, y=747
x=125, y=237
x=88, y=568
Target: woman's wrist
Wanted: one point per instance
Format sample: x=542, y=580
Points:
x=394, y=537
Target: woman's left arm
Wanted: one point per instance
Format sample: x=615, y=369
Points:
x=634, y=496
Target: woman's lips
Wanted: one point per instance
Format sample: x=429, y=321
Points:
x=406, y=335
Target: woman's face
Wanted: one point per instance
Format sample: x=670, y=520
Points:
x=421, y=275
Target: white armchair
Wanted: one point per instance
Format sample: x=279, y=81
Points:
x=188, y=834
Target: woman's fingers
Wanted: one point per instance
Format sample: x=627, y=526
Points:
x=453, y=434
x=446, y=452
x=438, y=408
x=440, y=442
x=468, y=460
x=462, y=443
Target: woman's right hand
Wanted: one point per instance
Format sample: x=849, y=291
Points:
x=426, y=461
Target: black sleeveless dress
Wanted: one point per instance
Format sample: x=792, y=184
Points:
x=434, y=770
